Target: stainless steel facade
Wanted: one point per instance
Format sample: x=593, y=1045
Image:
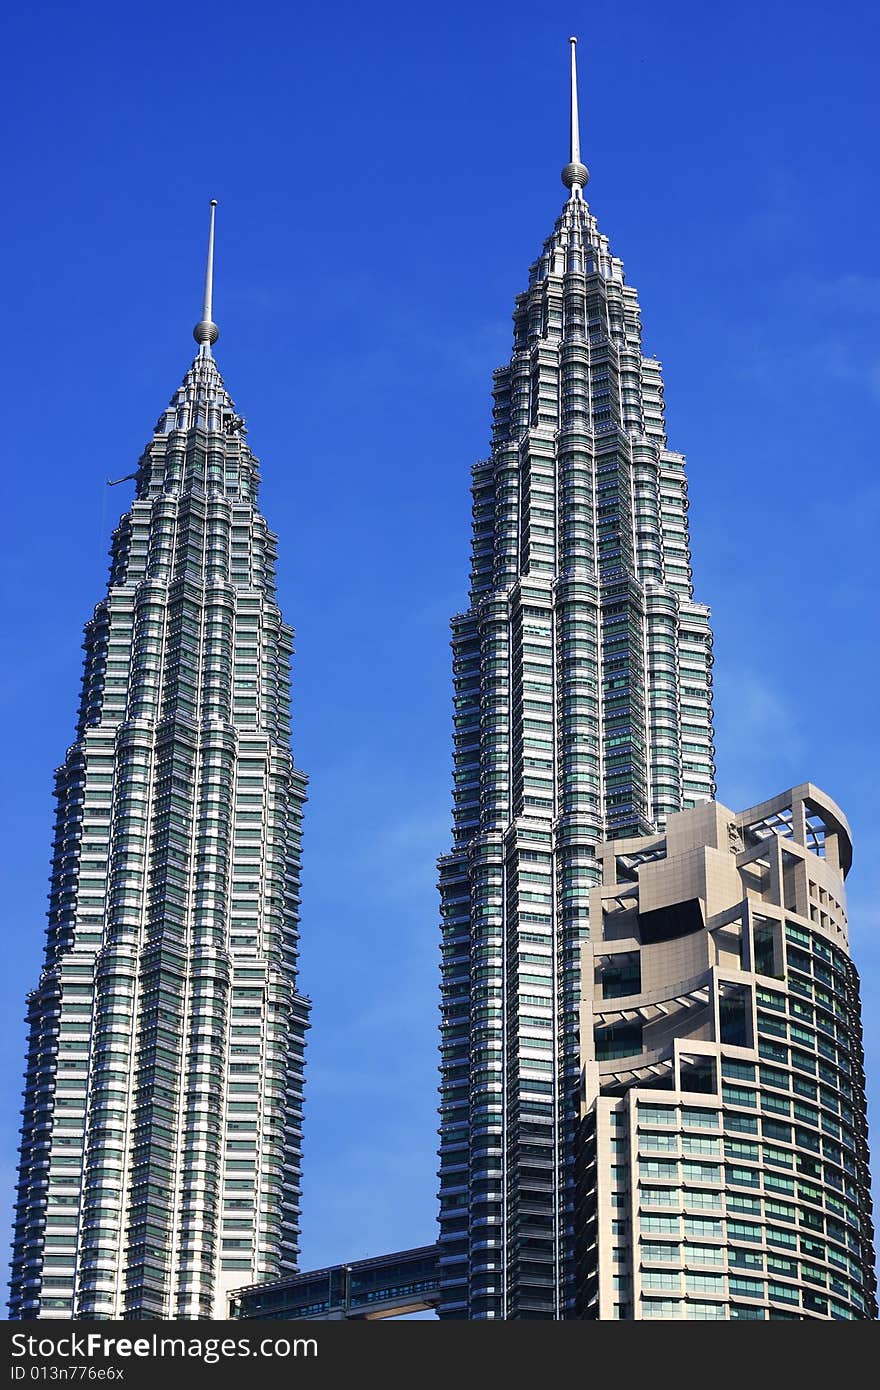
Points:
x=582, y=675
x=161, y=1138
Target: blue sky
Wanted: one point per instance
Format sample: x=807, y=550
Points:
x=385, y=175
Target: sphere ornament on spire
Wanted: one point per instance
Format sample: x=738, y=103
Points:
x=206, y=331
x=575, y=174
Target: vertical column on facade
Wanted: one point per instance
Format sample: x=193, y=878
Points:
x=483, y=544
x=85, y=884
x=456, y=984
x=75, y=978
x=455, y=1032
x=208, y=996
x=584, y=397
x=269, y=1155
x=674, y=538
x=653, y=401
x=578, y=736
x=280, y=1184
x=627, y=805
x=661, y=640
x=158, y=1014
x=529, y=982
x=496, y=496
x=152, y=1171
x=662, y=632
x=530, y=1078
x=625, y=754
x=696, y=662
x=107, y=1129
x=487, y=962
x=487, y=1117
x=33, y=1191
x=111, y=859
x=252, y=1162
x=531, y=1092
x=693, y=634
x=530, y=1083
x=289, y=1199
x=858, y=1172
x=625, y=725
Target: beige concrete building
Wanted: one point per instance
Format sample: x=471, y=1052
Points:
x=723, y=1158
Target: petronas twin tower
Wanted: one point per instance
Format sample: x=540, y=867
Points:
x=582, y=712
x=161, y=1144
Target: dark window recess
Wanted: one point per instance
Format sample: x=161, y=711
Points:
x=618, y=1040
x=815, y=1302
x=621, y=975
x=768, y=948
x=699, y=1074
x=667, y=923
x=735, y=1015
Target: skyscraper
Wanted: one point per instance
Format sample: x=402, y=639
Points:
x=582, y=674
x=161, y=1137
x=723, y=1156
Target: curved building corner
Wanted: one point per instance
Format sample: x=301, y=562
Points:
x=722, y=1167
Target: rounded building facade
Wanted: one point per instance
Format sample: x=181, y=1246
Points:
x=723, y=1156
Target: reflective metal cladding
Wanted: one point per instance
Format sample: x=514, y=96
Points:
x=161, y=1137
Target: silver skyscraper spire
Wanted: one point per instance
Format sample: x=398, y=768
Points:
x=161, y=1136
x=582, y=713
x=206, y=331
x=575, y=174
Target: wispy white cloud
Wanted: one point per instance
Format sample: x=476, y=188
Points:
x=828, y=334
x=821, y=357
x=775, y=205
x=759, y=738
x=391, y=857
x=478, y=351
x=851, y=293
